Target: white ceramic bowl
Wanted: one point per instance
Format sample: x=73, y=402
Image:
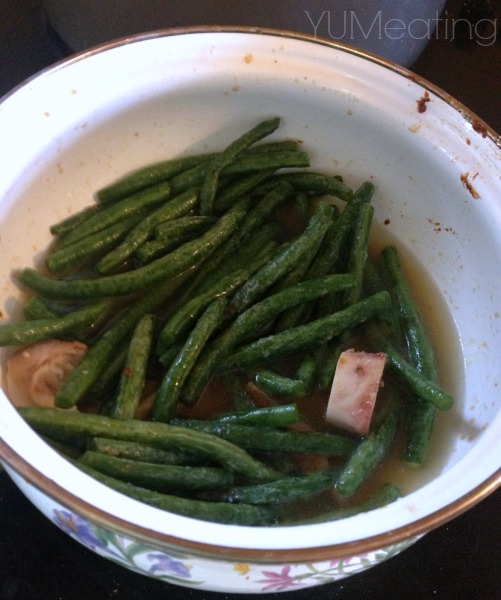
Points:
x=102, y=113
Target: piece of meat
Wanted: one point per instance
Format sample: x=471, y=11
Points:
x=36, y=372
x=353, y=394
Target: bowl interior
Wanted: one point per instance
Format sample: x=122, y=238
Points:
x=104, y=113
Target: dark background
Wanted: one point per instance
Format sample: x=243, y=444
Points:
x=460, y=560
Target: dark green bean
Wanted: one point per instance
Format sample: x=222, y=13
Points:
x=135, y=204
x=383, y=496
x=226, y=157
x=369, y=453
x=149, y=175
x=421, y=356
x=100, y=355
x=319, y=183
x=36, y=308
x=133, y=376
x=281, y=415
x=246, y=163
x=186, y=256
x=284, y=490
x=176, y=207
x=69, y=223
x=37, y=330
x=54, y=423
x=240, y=399
x=305, y=337
x=415, y=381
x=220, y=512
x=251, y=321
x=284, y=261
x=241, y=187
x=267, y=439
x=161, y=478
x=287, y=387
x=82, y=251
x=143, y=452
x=167, y=397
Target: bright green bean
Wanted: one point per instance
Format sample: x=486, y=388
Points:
x=281, y=415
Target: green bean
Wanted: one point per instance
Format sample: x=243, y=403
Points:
x=142, y=452
x=284, y=261
x=268, y=439
x=100, y=355
x=251, y=321
x=161, y=478
x=319, y=183
x=369, y=453
x=150, y=175
x=185, y=257
x=82, y=251
x=415, y=381
x=174, y=208
x=36, y=308
x=364, y=193
x=287, y=387
x=359, y=251
x=383, y=496
x=421, y=356
x=55, y=423
x=171, y=234
x=240, y=399
x=221, y=512
x=135, y=204
x=170, y=389
x=246, y=163
x=69, y=223
x=182, y=319
x=226, y=157
x=37, y=330
x=241, y=187
x=307, y=336
x=284, y=490
x=281, y=415
x=133, y=376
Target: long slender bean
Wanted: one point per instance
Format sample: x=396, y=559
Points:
x=421, y=416
x=226, y=157
x=268, y=439
x=162, y=478
x=251, y=321
x=54, y=423
x=133, y=376
x=306, y=336
x=37, y=330
x=135, y=204
x=171, y=387
x=176, y=207
x=281, y=415
x=220, y=512
x=100, y=355
x=188, y=255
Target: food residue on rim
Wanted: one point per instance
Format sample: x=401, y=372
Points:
x=479, y=127
x=438, y=227
x=248, y=58
x=465, y=180
x=421, y=103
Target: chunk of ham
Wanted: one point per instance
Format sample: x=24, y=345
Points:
x=36, y=372
x=357, y=380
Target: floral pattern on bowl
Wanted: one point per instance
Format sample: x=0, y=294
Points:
x=185, y=569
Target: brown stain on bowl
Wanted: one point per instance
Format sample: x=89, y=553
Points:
x=465, y=180
x=248, y=58
x=479, y=127
x=422, y=102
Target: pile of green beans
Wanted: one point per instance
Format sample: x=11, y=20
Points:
x=215, y=293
